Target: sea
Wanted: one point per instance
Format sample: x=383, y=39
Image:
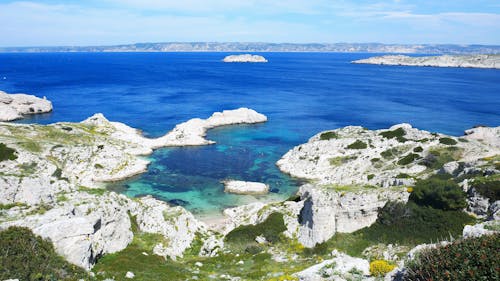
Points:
x=302, y=94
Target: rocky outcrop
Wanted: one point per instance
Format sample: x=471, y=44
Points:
x=327, y=211
x=245, y=187
x=341, y=267
x=388, y=157
x=15, y=106
x=474, y=61
x=244, y=58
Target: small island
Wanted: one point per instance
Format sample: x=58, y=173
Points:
x=244, y=58
x=15, y=106
x=245, y=187
x=470, y=61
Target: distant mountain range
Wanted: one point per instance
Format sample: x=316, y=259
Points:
x=270, y=47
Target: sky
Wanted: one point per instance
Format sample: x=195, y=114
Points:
x=111, y=22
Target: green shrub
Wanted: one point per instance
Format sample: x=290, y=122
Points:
x=390, y=153
x=463, y=260
x=374, y=160
x=403, y=176
x=340, y=160
x=408, y=159
x=399, y=132
x=488, y=189
x=26, y=256
x=438, y=157
x=7, y=153
x=357, y=145
x=328, y=135
x=418, y=149
x=447, y=141
x=439, y=193
x=370, y=176
x=271, y=229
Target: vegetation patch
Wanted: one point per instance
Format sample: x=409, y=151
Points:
x=488, y=188
x=7, y=153
x=245, y=235
x=357, y=145
x=402, y=224
x=370, y=176
x=438, y=157
x=408, y=159
x=94, y=191
x=340, y=160
x=399, y=132
x=418, y=149
x=328, y=135
x=12, y=205
x=26, y=256
x=31, y=146
x=447, y=141
x=403, y=176
x=468, y=259
x=439, y=193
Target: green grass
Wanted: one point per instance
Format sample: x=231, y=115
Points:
x=31, y=146
x=357, y=145
x=340, y=160
x=7, y=153
x=245, y=235
x=94, y=191
x=12, y=205
x=328, y=135
x=26, y=256
x=403, y=176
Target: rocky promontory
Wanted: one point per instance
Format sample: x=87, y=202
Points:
x=16, y=106
x=244, y=58
x=472, y=61
x=52, y=182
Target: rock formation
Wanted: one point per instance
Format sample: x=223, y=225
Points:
x=245, y=187
x=473, y=61
x=15, y=106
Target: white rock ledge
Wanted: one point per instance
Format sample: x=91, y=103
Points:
x=472, y=61
x=244, y=58
x=15, y=106
x=245, y=187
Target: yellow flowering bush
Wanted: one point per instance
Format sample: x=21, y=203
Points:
x=380, y=267
x=409, y=189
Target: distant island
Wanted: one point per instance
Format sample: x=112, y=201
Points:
x=470, y=61
x=269, y=47
x=244, y=58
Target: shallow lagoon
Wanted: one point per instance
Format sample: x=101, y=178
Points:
x=301, y=93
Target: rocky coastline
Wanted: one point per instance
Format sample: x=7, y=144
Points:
x=469, y=61
x=17, y=106
x=54, y=186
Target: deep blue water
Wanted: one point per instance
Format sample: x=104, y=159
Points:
x=301, y=93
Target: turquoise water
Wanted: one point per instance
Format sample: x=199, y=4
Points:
x=301, y=93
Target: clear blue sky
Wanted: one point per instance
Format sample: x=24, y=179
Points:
x=105, y=22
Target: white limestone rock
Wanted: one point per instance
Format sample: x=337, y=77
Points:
x=332, y=161
x=340, y=267
x=480, y=229
x=245, y=187
x=245, y=58
x=129, y=275
x=474, y=61
x=327, y=211
x=14, y=106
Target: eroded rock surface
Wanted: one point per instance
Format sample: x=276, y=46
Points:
x=15, y=106
x=474, y=61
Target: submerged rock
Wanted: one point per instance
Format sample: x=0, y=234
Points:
x=474, y=61
x=15, y=106
x=244, y=58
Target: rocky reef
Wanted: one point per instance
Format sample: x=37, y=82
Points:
x=244, y=58
x=473, y=61
x=16, y=106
